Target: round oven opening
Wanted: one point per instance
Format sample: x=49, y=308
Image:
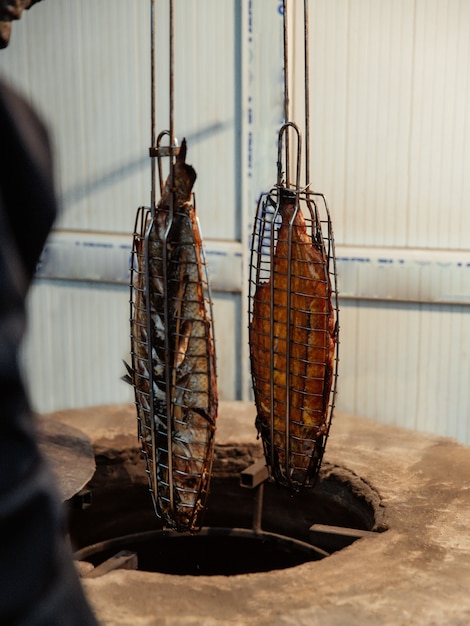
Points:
x=212, y=551
x=295, y=527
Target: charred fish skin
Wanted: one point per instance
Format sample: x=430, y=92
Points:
x=292, y=320
x=178, y=464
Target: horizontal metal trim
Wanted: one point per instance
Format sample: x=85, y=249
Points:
x=105, y=258
x=404, y=274
x=369, y=273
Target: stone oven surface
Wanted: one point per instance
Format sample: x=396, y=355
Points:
x=418, y=572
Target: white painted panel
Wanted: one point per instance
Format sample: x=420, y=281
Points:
x=407, y=365
x=390, y=136
x=360, y=87
x=78, y=336
x=85, y=65
x=440, y=133
x=95, y=95
x=397, y=274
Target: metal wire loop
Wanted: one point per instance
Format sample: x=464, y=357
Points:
x=284, y=149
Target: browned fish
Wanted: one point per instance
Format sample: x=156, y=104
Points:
x=177, y=413
x=292, y=318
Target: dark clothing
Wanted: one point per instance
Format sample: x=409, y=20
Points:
x=39, y=585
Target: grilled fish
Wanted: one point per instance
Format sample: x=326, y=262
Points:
x=292, y=320
x=175, y=386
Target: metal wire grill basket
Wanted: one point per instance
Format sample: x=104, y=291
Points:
x=293, y=325
x=172, y=341
x=173, y=360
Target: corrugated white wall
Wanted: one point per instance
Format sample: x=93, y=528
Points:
x=390, y=102
x=86, y=67
x=390, y=119
x=390, y=143
x=78, y=337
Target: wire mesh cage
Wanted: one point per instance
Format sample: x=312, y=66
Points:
x=173, y=369
x=293, y=325
x=293, y=305
x=173, y=360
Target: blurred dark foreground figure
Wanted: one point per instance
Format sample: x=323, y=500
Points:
x=38, y=582
x=11, y=10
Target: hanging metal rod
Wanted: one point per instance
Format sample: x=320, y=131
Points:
x=287, y=102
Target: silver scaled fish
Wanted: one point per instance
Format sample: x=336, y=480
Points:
x=173, y=356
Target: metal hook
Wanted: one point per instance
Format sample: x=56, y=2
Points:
x=283, y=141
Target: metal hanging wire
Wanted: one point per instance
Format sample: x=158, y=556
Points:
x=172, y=341
x=293, y=305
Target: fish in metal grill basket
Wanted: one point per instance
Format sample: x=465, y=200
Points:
x=188, y=349
x=306, y=386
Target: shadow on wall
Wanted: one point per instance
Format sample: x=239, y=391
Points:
x=84, y=189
